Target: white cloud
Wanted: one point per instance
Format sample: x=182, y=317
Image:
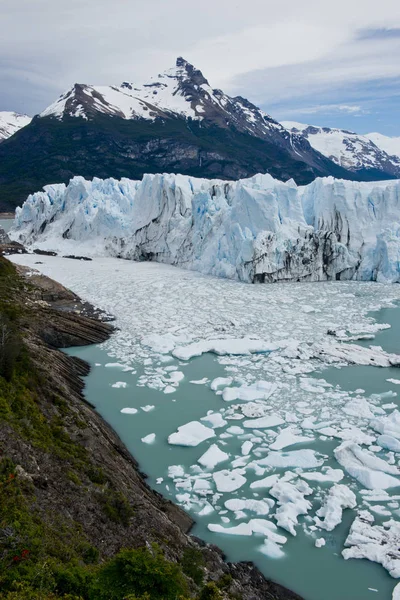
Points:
x=266, y=50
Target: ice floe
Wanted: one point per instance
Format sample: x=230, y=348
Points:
x=191, y=434
x=229, y=481
x=212, y=457
x=378, y=543
x=370, y=470
x=338, y=498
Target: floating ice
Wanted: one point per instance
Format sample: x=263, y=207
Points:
x=292, y=503
x=148, y=407
x=328, y=474
x=259, y=390
x=260, y=507
x=229, y=481
x=129, y=411
x=389, y=442
x=289, y=437
x=224, y=346
x=306, y=459
x=388, y=425
x=149, y=439
x=119, y=384
x=264, y=422
x=265, y=483
x=378, y=543
x=220, y=382
x=339, y=498
x=215, y=420
x=370, y=470
x=246, y=447
x=191, y=434
x=212, y=457
x=320, y=542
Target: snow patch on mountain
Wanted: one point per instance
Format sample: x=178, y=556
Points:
x=254, y=230
x=11, y=122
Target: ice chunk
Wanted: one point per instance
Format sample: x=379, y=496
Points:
x=215, y=420
x=246, y=447
x=229, y=481
x=263, y=422
x=175, y=471
x=220, y=381
x=396, y=591
x=149, y=439
x=388, y=442
x=388, y=425
x=265, y=483
x=289, y=437
x=191, y=434
x=338, y=498
x=259, y=390
x=271, y=549
x=212, y=457
x=148, y=407
x=221, y=347
x=378, y=543
x=328, y=474
x=306, y=459
x=370, y=470
x=292, y=503
x=199, y=381
x=260, y=507
x=320, y=542
x=119, y=384
x=129, y=411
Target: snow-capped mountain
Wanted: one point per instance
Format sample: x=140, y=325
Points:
x=176, y=122
x=373, y=153
x=11, y=122
x=181, y=91
x=256, y=230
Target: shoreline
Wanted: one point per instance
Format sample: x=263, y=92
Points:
x=157, y=518
x=7, y=215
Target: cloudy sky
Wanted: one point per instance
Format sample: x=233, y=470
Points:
x=329, y=63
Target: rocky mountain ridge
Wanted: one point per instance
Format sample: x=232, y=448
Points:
x=352, y=151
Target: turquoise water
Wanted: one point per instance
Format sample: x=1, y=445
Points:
x=316, y=574
x=6, y=224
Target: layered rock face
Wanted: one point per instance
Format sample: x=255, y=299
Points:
x=253, y=230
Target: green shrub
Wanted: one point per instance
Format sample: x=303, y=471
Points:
x=115, y=506
x=192, y=564
x=137, y=572
x=210, y=592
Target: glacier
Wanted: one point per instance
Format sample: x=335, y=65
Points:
x=253, y=230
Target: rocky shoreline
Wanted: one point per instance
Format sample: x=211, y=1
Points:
x=56, y=318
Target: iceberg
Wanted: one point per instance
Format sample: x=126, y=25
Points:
x=254, y=230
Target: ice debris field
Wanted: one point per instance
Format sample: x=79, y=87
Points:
x=258, y=471
x=256, y=229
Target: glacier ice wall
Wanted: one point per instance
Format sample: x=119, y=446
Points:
x=257, y=229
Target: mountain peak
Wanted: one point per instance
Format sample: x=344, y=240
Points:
x=11, y=122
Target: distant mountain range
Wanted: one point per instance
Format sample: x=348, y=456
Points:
x=354, y=152
x=174, y=123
